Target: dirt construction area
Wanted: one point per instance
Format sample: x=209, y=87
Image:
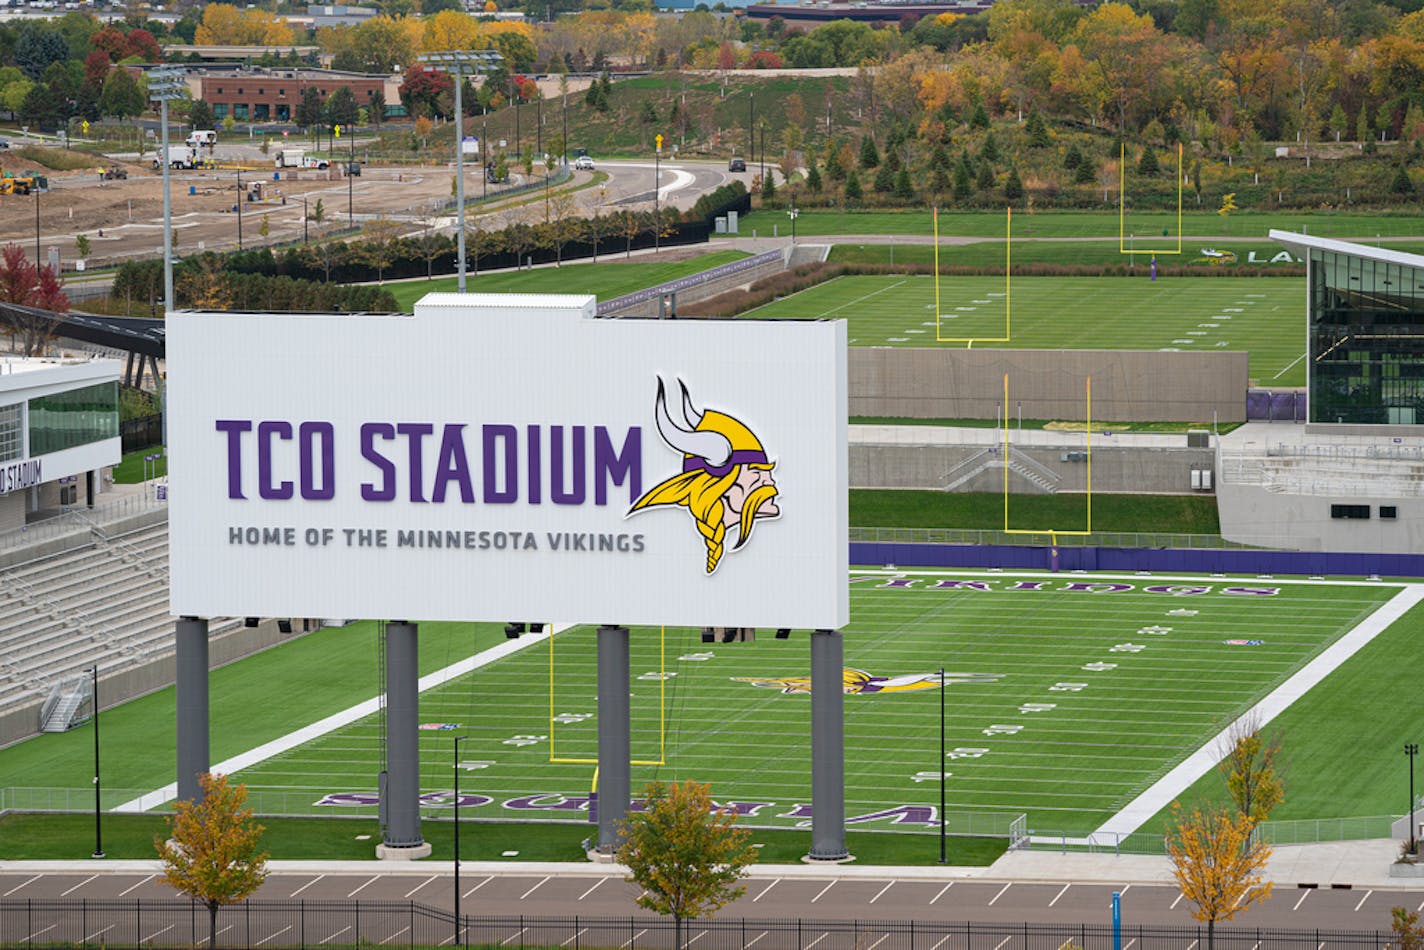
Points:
x=123, y=218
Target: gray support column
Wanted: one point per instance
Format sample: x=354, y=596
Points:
x=191, y=645
x=615, y=776
x=828, y=840
x=402, y=789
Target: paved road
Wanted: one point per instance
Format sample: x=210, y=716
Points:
x=816, y=894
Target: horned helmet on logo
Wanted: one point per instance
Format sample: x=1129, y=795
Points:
x=726, y=481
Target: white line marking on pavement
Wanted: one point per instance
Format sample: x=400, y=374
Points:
x=941, y=940
x=1303, y=895
x=634, y=939
x=1362, y=901
x=1166, y=789
x=941, y=894
x=79, y=885
x=305, y=886
x=581, y=933
x=592, y=889
x=362, y=888
x=396, y=934
x=18, y=886
x=99, y=933
x=273, y=936
x=1420, y=908
x=700, y=933
x=823, y=936
x=135, y=886
x=756, y=938
x=1001, y=893
x=763, y=893
x=514, y=936
x=337, y=720
x=533, y=889
x=1059, y=894
x=157, y=933
x=1128, y=945
x=883, y=938
x=477, y=887
x=411, y=892
x=882, y=891
x=823, y=891
x=337, y=934
x=1001, y=943
x=1124, y=890
x=1176, y=902
x=31, y=937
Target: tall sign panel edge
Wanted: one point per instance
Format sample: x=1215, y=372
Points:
x=503, y=457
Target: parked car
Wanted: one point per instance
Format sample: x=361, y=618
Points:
x=737, y=165
x=583, y=163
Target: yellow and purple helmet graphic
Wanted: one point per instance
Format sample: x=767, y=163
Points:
x=860, y=683
x=726, y=481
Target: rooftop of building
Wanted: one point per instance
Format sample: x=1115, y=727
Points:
x=1299, y=243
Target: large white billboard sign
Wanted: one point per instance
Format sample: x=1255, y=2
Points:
x=510, y=458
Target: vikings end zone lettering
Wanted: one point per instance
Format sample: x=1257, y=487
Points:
x=508, y=457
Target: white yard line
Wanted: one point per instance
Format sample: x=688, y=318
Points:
x=1166, y=789
x=337, y=720
x=1288, y=366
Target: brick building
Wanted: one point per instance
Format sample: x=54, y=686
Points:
x=262, y=94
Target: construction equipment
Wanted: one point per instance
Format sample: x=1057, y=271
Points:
x=114, y=172
x=23, y=184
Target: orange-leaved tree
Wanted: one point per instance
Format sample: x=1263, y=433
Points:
x=211, y=853
x=1216, y=863
x=686, y=853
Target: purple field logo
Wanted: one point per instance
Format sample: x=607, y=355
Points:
x=725, y=484
x=860, y=683
x=1244, y=643
x=439, y=726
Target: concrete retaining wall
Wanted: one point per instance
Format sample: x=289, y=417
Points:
x=1251, y=514
x=691, y=290
x=1127, y=386
x=974, y=468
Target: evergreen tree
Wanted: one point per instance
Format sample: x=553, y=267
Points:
x=904, y=188
x=1362, y=124
x=768, y=187
x=1401, y=184
x=938, y=157
x=1072, y=158
x=1036, y=130
x=939, y=182
x=869, y=154
x=813, y=177
x=852, y=188
x=1085, y=173
x=979, y=119
x=200, y=115
x=963, y=179
x=1013, y=187
x=990, y=152
x=985, y=178
x=884, y=180
x=649, y=114
x=892, y=160
x=1339, y=123
x=1147, y=165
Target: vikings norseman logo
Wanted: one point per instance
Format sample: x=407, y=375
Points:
x=725, y=484
x=859, y=682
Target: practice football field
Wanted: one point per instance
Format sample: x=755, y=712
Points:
x=1265, y=317
x=1066, y=696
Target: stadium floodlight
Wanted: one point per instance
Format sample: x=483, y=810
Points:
x=1411, y=749
x=459, y=930
x=458, y=63
x=166, y=84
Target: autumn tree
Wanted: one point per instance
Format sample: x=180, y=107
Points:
x=379, y=244
x=1217, y=864
x=1408, y=934
x=211, y=853
x=685, y=852
x=38, y=289
x=1249, y=767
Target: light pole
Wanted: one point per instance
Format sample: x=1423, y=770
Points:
x=351, y=183
x=751, y=126
x=305, y=219
x=164, y=84
x=458, y=928
x=458, y=62
x=657, y=179
x=1411, y=749
x=942, y=855
x=792, y=213
x=98, y=829
x=239, y=208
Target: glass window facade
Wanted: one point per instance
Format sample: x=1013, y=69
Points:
x=11, y=432
x=1366, y=340
x=78, y=417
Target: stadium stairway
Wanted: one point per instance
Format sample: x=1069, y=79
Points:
x=104, y=601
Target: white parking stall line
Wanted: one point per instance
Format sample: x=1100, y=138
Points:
x=752, y=942
x=410, y=893
x=396, y=934
x=1303, y=895
x=1059, y=894
x=884, y=937
x=31, y=938
x=941, y=940
x=1420, y=908
x=823, y=936
x=1128, y=945
x=362, y=888
x=305, y=886
x=1192, y=945
x=1000, y=945
x=533, y=889
x=136, y=886
x=339, y=933
x=1001, y=893
x=79, y=885
x=518, y=935
x=578, y=934
x=99, y=933
x=633, y=940
x=700, y=933
x=477, y=887
x=273, y=936
x=157, y=933
x=882, y=891
x=941, y=892
x=823, y=891
x=1124, y=890
x=1362, y=901
x=595, y=887
x=1176, y=902
x=765, y=892
x=18, y=886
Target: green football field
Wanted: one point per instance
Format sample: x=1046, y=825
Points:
x=1264, y=317
x=1061, y=704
